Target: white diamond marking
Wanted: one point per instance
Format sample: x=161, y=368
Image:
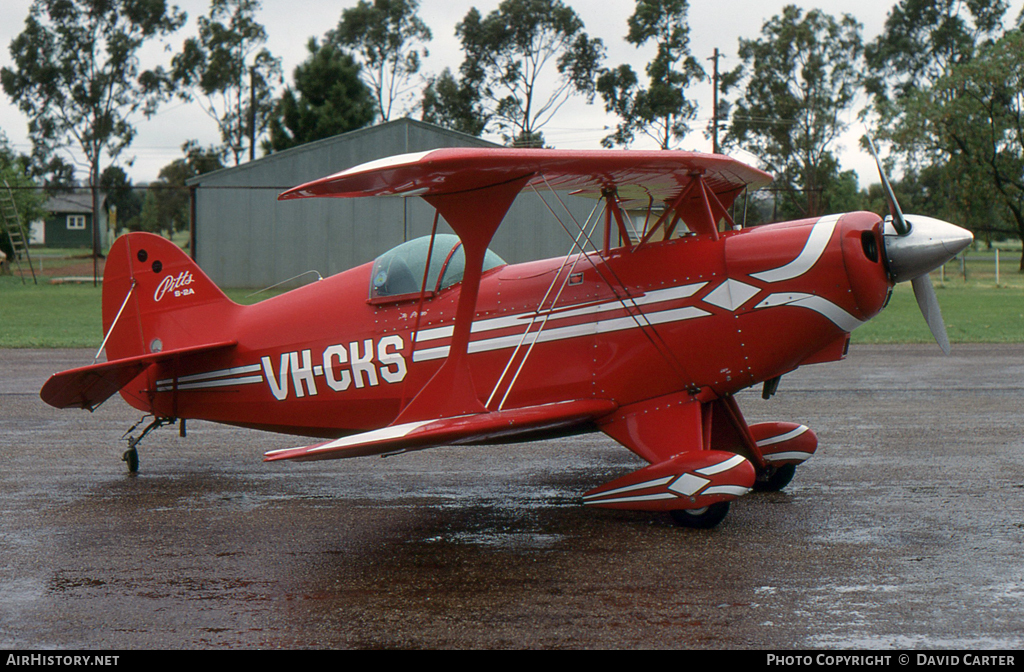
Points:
x=731, y=294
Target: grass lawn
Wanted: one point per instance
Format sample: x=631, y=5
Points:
x=62, y=316
x=972, y=313
x=975, y=309
x=49, y=316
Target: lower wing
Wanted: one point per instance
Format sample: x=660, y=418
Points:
x=474, y=428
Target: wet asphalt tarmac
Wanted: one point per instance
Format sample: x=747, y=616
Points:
x=906, y=530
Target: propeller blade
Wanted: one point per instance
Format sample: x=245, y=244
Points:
x=898, y=222
x=910, y=255
x=929, y=305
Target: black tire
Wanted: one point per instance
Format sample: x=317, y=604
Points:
x=701, y=519
x=774, y=478
x=131, y=458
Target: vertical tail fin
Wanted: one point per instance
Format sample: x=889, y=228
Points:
x=156, y=298
x=157, y=307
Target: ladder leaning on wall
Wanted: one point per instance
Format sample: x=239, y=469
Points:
x=11, y=228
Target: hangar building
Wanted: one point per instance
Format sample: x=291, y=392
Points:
x=244, y=237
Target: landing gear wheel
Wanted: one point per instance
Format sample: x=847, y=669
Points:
x=703, y=519
x=774, y=478
x=131, y=457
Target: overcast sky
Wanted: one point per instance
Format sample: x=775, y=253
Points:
x=289, y=24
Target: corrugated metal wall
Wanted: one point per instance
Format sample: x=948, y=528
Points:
x=245, y=237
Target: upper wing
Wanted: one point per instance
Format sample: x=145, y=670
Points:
x=89, y=386
x=475, y=428
x=635, y=175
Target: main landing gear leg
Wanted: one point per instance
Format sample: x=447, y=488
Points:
x=131, y=456
x=775, y=448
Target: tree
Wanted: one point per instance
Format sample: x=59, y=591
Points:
x=121, y=196
x=953, y=134
x=798, y=80
x=387, y=37
x=329, y=98
x=508, y=57
x=922, y=41
x=16, y=172
x=77, y=75
x=235, y=75
x=975, y=116
x=56, y=174
x=661, y=110
x=167, y=205
x=454, y=104
x=28, y=197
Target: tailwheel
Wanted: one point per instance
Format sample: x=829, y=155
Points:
x=774, y=479
x=704, y=518
x=131, y=457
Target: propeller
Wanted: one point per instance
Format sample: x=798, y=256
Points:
x=915, y=245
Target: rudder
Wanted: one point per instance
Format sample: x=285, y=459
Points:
x=157, y=298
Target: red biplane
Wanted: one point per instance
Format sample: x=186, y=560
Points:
x=645, y=330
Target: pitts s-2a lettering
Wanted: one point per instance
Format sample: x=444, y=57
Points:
x=642, y=332
x=174, y=285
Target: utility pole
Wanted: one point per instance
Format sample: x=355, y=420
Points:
x=714, y=114
x=252, y=113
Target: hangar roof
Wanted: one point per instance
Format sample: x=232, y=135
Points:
x=312, y=160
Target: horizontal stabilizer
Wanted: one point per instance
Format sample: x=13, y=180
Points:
x=89, y=386
x=475, y=428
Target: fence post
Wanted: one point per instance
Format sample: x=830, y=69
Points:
x=997, y=267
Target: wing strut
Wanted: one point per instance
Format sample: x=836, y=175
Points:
x=695, y=183
x=626, y=299
x=704, y=213
x=474, y=216
x=423, y=294
x=612, y=209
x=539, y=312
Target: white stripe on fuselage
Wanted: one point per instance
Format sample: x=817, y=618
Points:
x=524, y=319
x=817, y=241
x=562, y=333
x=820, y=305
x=225, y=382
x=220, y=373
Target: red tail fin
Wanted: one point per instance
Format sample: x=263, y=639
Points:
x=155, y=298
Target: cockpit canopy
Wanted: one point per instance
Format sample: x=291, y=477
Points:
x=398, y=273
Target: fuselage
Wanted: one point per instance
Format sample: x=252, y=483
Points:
x=688, y=314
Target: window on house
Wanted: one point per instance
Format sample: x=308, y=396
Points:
x=76, y=221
